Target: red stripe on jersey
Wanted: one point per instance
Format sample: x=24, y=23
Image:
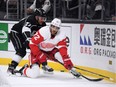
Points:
x=63, y=42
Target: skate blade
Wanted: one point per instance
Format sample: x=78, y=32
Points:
x=46, y=72
x=77, y=77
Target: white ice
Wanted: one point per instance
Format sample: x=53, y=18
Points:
x=57, y=79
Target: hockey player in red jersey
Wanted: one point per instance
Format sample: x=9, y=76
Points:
x=20, y=35
x=49, y=43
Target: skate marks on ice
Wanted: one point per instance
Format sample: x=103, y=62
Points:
x=57, y=79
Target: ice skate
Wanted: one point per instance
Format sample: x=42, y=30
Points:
x=75, y=73
x=11, y=70
x=20, y=72
x=47, y=69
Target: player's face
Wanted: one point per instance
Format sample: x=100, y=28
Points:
x=40, y=19
x=54, y=29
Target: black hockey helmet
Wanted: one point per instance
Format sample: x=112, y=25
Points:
x=40, y=12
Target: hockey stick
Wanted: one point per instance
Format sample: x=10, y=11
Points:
x=98, y=79
x=92, y=72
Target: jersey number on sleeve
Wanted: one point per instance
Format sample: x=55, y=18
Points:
x=36, y=36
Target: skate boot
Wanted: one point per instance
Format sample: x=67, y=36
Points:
x=20, y=72
x=11, y=68
x=75, y=73
x=47, y=69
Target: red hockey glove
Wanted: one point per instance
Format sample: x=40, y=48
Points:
x=67, y=63
x=37, y=53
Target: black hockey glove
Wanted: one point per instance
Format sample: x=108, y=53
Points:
x=27, y=44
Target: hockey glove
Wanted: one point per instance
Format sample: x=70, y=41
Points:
x=37, y=53
x=67, y=63
x=27, y=43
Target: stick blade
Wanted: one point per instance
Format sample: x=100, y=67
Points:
x=90, y=79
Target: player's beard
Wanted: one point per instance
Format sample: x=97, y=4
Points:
x=53, y=33
x=40, y=22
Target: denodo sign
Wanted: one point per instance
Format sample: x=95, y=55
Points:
x=3, y=36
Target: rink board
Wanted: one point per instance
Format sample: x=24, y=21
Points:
x=91, y=46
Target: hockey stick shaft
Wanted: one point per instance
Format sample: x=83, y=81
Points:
x=98, y=79
x=92, y=72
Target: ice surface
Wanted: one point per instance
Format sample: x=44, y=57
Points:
x=57, y=79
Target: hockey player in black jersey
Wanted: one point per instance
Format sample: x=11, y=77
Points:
x=20, y=35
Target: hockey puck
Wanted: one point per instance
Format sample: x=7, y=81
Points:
x=61, y=70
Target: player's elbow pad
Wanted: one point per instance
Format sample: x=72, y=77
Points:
x=26, y=35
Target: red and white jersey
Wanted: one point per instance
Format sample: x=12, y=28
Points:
x=43, y=39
